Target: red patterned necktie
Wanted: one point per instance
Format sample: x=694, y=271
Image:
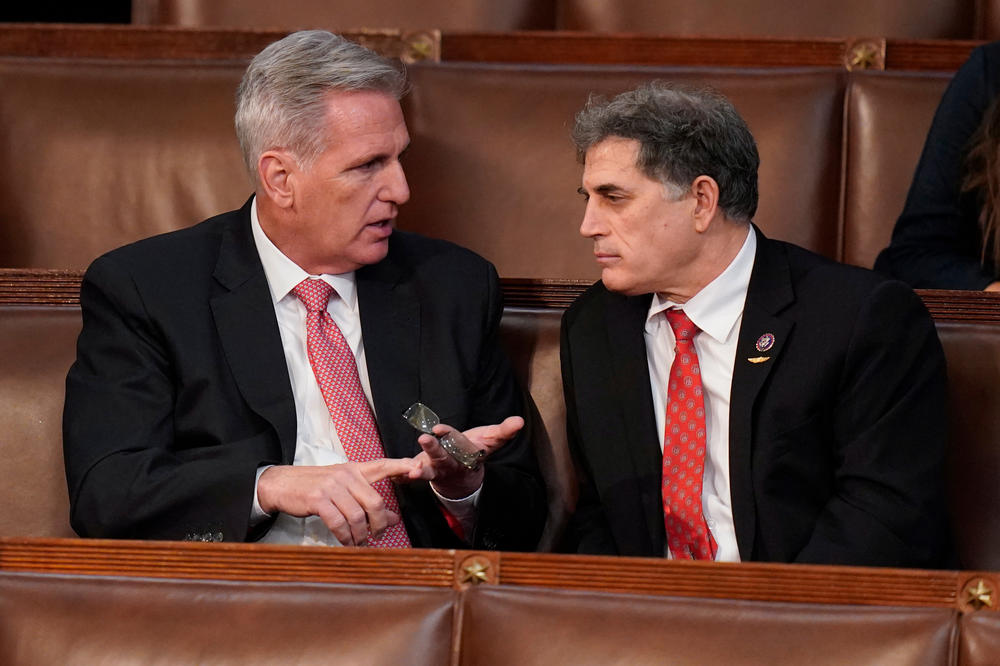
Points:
x=684, y=445
x=336, y=373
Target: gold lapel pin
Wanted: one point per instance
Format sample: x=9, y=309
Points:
x=764, y=343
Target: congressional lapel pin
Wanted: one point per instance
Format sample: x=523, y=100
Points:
x=764, y=343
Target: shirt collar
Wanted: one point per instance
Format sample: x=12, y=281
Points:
x=283, y=274
x=718, y=306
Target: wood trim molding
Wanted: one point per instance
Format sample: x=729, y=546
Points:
x=184, y=43
x=459, y=569
x=553, y=47
x=35, y=286
x=536, y=47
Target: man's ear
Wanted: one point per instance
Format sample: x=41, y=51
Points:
x=276, y=170
x=705, y=191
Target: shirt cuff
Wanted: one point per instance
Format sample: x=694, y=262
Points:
x=463, y=509
x=258, y=514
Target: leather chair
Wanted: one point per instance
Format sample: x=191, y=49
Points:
x=888, y=115
x=37, y=346
x=979, y=642
x=50, y=619
x=973, y=354
x=989, y=20
x=491, y=165
x=931, y=19
x=343, y=14
x=99, y=153
x=519, y=626
x=531, y=339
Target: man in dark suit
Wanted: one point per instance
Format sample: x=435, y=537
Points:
x=210, y=397
x=729, y=396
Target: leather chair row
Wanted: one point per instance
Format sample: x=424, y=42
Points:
x=37, y=348
x=100, y=152
x=71, y=619
x=954, y=19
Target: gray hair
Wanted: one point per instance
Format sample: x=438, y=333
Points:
x=280, y=101
x=682, y=134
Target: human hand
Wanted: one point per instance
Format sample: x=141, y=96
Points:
x=341, y=495
x=449, y=477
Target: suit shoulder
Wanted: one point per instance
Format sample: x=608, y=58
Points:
x=806, y=264
x=594, y=297
x=422, y=254
x=818, y=279
x=591, y=307
x=173, y=250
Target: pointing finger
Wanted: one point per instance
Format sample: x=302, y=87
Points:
x=383, y=468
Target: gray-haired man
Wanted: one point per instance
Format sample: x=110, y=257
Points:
x=246, y=377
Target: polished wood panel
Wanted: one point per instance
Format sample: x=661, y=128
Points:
x=599, y=48
x=458, y=569
x=928, y=54
x=32, y=286
x=539, y=47
x=221, y=561
x=165, y=43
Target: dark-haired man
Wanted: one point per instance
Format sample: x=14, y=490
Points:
x=732, y=397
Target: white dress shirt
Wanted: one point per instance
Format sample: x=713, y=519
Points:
x=717, y=310
x=316, y=440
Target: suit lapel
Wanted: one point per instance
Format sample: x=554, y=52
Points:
x=390, y=325
x=763, y=334
x=248, y=332
x=625, y=325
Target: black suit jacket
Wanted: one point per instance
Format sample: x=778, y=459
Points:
x=836, y=444
x=180, y=390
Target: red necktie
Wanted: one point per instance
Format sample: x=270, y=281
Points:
x=684, y=449
x=336, y=373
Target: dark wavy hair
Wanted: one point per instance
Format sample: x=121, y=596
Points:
x=683, y=133
x=982, y=177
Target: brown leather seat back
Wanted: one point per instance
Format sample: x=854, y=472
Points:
x=980, y=639
x=492, y=167
x=989, y=20
x=345, y=14
x=531, y=337
x=888, y=115
x=948, y=19
x=37, y=346
x=50, y=619
x=516, y=626
x=973, y=355
x=98, y=153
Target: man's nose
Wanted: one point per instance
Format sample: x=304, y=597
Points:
x=591, y=225
x=396, y=188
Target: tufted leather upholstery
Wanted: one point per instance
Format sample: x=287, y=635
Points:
x=98, y=153
x=933, y=19
x=345, y=14
x=37, y=347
